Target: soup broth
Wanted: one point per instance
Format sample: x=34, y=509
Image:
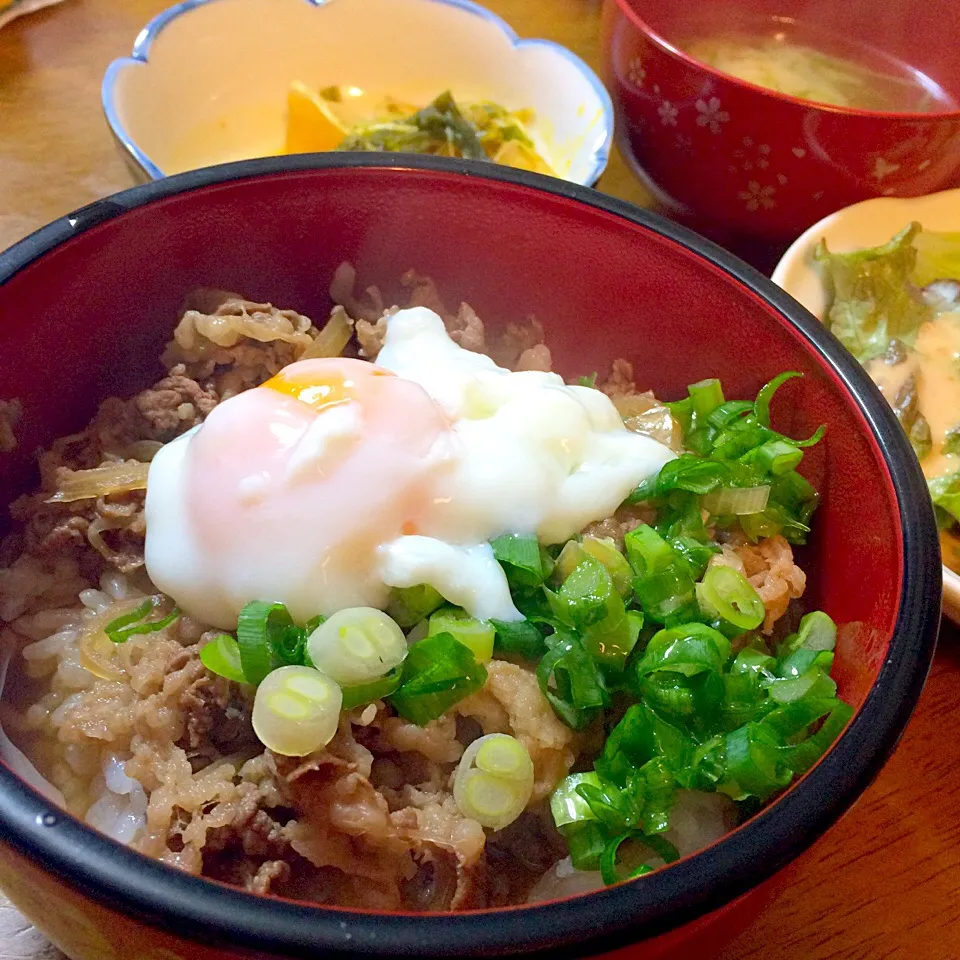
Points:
x=787, y=57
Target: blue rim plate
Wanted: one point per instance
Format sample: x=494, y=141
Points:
x=146, y=37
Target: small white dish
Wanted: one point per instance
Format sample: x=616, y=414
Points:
x=868, y=224
x=207, y=82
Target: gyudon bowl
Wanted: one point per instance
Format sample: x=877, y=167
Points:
x=88, y=305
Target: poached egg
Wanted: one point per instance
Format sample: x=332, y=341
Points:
x=338, y=479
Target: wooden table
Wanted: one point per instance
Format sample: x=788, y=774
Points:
x=885, y=883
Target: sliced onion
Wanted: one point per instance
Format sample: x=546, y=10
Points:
x=736, y=501
x=333, y=338
x=98, y=653
x=143, y=450
x=120, y=477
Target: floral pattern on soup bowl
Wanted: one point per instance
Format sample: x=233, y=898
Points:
x=737, y=160
x=868, y=224
x=208, y=79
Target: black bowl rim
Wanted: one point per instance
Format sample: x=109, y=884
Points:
x=602, y=921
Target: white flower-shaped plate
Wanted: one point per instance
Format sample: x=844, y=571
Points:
x=207, y=81
x=868, y=224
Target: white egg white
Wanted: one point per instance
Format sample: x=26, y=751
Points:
x=524, y=453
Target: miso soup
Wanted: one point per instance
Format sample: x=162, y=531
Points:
x=783, y=56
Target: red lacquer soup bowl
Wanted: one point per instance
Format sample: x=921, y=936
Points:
x=737, y=159
x=86, y=305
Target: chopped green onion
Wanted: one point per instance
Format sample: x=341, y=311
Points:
x=728, y=412
x=586, y=842
x=815, y=684
x=137, y=621
x=951, y=442
x=790, y=720
x=647, y=551
x=611, y=644
x=805, y=754
x=727, y=595
x=694, y=554
x=409, y=605
x=776, y=456
x=662, y=847
x=587, y=597
x=262, y=629
x=571, y=681
x=296, y=710
x=706, y=395
x=494, y=780
x=817, y=632
x=478, y=635
x=571, y=556
x=640, y=736
x=666, y=595
x=222, y=657
x=519, y=637
x=813, y=439
x=688, y=649
x=762, y=404
x=439, y=671
x=755, y=765
x=608, y=862
x=800, y=661
x=357, y=645
x=692, y=703
x=687, y=472
x=682, y=412
x=576, y=821
x=521, y=558
x=663, y=586
x=379, y=689
x=605, y=550
x=736, y=501
x=288, y=646
x=567, y=805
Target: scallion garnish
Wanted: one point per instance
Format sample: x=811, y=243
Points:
x=478, y=635
x=379, y=689
x=706, y=395
x=439, y=671
x=409, y=605
x=357, y=645
x=522, y=559
x=605, y=550
x=571, y=681
x=296, y=710
x=608, y=862
x=138, y=621
x=738, y=466
x=587, y=597
x=222, y=657
x=268, y=638
x=761, y=407
x=518, y=638
x=494, y=780
x=725, y=594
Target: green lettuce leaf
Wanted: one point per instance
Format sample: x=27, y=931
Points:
x=873, y=296
x=938, y=257
x=945, y=492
